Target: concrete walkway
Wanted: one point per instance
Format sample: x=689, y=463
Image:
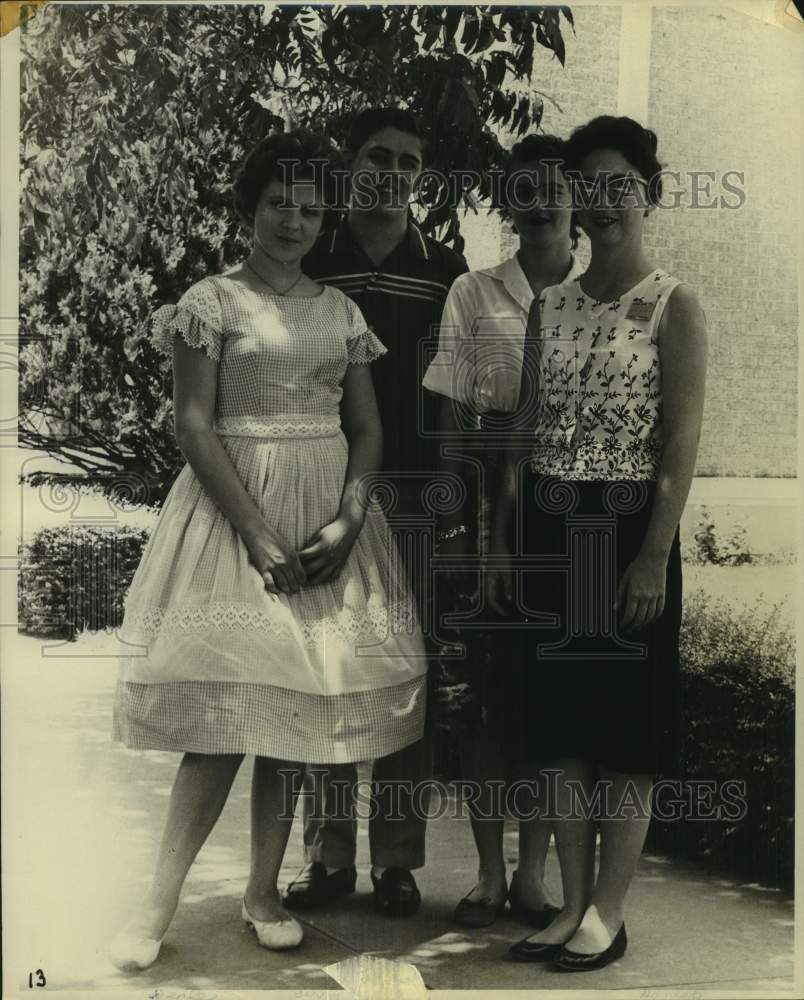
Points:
x=82, y=817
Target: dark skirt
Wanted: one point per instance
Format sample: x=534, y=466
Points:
x=467, y=691
x=576, y=685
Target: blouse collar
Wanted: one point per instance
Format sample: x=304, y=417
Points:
x=510, y=273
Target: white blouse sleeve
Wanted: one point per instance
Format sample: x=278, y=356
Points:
x=451, y=372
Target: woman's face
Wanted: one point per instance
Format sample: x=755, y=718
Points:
x=539, y=199
x=611, y=199
x=288, y=219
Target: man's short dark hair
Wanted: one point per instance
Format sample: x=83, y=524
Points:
x=282, y=156
x=368, y=122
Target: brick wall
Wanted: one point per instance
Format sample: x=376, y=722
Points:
x=723, y=96
x=724, y=93
x=586, y=86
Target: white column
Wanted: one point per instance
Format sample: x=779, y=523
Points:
x=635, y=41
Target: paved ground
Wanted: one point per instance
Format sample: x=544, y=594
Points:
x=82, y=816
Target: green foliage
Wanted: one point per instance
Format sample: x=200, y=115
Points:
x=76, y=578
x=739, y=722
x=133, y=120
x=710, y=547
x=714, y=632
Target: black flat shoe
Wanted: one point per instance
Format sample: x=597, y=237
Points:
x=531, y=951
x=535, y=918
x=312, y=887
x=395, y=893
x=478, y=912
x=573, y=961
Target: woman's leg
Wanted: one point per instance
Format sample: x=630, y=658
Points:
x=622, y=837
x=534, y=840
x=200, y=790
x=275, y=786
x=483, y=766
x=575, y=843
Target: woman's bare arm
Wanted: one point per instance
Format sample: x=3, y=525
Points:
x=521, y=429
x=195, y=380
x=360, y=418
x=325, y=553
x=518, y=447
x=682, y=356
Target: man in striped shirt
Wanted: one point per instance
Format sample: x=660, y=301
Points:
x=399, y=278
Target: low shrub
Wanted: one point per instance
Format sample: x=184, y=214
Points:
x=738, y=673
x=710, y=546
x=76, y=578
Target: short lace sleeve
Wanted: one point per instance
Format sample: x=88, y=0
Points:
x=197, y=319
x=362, y=345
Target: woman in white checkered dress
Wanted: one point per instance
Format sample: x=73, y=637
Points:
x=268, y=614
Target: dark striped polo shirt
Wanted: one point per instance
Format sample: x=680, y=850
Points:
x=402, y=300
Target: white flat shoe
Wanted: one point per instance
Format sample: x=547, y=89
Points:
x=131, y=952
x=275, y=934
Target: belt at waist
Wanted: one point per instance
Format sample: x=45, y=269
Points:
x=279, y=426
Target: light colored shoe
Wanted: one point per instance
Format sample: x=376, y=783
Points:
x=131, y=952
x=275, y=934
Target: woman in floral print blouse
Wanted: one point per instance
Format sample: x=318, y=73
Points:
x=614, y=389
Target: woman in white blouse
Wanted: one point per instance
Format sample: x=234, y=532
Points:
x=477, y=370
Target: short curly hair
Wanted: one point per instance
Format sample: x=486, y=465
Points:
x=535, y=148
x=300, y=151
x=636, y=143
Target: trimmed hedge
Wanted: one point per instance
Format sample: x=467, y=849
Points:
x=738, y=674
x=76, y=578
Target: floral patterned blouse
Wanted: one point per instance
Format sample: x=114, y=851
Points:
x=601, y=390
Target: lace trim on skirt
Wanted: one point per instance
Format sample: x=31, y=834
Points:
x=372, y=623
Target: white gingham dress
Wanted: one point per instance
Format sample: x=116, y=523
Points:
x=213, y=663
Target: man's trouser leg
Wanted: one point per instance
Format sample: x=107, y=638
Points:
x=401, y=781
x=330, y=826
x=400, y=803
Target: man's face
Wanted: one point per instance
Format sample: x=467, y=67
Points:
x=384, y=171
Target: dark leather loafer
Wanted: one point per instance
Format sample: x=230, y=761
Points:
x=535, y=918
x=312, y=887
x=395, y=893
x=478, y=912
x=573, y=961
x=531, y=951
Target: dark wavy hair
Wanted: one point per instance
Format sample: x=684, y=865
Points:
x=369, y=121
x=288, y=155
x=534, y=149
x=636, y=143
